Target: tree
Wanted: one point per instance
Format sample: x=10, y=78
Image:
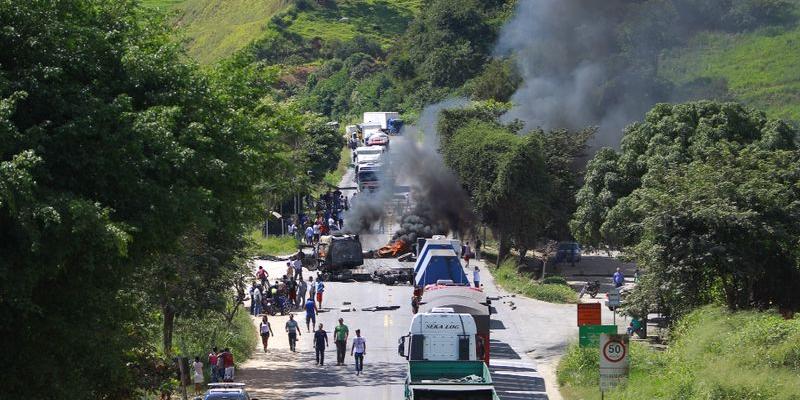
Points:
x=115, y=155
x=521, y=185
x=702, y=195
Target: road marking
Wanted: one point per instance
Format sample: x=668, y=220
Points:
x=387, y=320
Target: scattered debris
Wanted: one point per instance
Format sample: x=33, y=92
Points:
x=407, y=257
x=346, y=303
x=380, y=308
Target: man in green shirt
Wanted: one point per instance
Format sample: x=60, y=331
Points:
x=340, y=335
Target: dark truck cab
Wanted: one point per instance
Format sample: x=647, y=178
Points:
x=337, y=252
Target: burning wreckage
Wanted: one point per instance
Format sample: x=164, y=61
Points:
x=390, y=264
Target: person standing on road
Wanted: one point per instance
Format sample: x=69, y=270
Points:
x=320, y=343
x=298, y=268
x=302, y=289
x=476, y=277
x=358, y=350
x=256, y=300
x=265, y=329
x=309, y=235
x=340, y=335
x=262, y=276
x=197, y=365
x=317, y=229
x=293, y=331
x=311, y=314
x=220, y=368
x=312, y=288
x=227, y=362
x=467, y=252
x=478, y=245
x=252, y=303
x=619, y=279
x=320, y=291
x=292, y=296
x=212, y=362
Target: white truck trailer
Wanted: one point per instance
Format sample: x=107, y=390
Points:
x=380, y=117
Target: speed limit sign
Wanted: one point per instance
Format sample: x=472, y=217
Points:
x=613, y=360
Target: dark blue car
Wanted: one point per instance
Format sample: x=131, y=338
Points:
x=569, y=252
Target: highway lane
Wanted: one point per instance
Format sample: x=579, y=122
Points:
x=534, y=330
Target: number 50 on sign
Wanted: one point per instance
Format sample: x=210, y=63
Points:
x=614, y=363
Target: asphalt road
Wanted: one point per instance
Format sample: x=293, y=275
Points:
x=526, y=334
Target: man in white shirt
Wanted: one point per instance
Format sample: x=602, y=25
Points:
x=358, y=350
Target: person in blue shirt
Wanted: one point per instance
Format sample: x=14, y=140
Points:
x=619, y=279
x=311, y=313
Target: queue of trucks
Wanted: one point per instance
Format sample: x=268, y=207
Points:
x=370, y=141
x=448, y=343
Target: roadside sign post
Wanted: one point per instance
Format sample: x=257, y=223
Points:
x=589, y=314
x=614, y=361
x=589, y=335
x=614, y=302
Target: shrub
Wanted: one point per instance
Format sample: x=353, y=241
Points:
x=555, y=280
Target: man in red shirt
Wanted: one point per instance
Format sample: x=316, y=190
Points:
x=212, y=361
x=227, y=362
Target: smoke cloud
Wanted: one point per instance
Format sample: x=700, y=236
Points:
x=568, y=54
x=439, y=205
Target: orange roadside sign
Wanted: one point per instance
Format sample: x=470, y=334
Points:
x=589, y=314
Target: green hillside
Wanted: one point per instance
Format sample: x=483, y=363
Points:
x=215, y=29
x=760, y=68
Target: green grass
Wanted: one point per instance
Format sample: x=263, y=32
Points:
x=382, y=20
x=761, y=68
x=218, y=28
x=215, y=29
x=511, y=279
x=335, y=178
x=161, y=4
x=274, y=245
x=715, y=355
x=196, y=336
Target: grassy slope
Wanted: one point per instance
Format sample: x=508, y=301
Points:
x=716, y=355
x=217, y=28
x=511, y=279
x=761, y=68
x=383, y=20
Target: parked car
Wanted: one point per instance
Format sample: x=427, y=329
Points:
x=568, y=252
x=226, y=391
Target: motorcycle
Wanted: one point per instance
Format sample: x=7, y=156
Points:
x=270, y=307
x=282, y=305
x=592, y=288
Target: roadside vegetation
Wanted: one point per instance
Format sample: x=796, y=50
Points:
x=714, y=354
x=552, y=289
x=129, y=182
x=274, y=245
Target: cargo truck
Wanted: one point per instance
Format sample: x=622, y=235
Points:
x=445, y=380
x=380, y=118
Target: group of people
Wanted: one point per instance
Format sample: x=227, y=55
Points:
x=221, y=365
x=329, y=216
x=341, y=333
x=287, y=293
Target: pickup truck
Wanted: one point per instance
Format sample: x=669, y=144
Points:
x=446, y=380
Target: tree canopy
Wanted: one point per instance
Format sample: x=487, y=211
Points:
x=705, y=197
x=520, y=184
x=128, y=179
